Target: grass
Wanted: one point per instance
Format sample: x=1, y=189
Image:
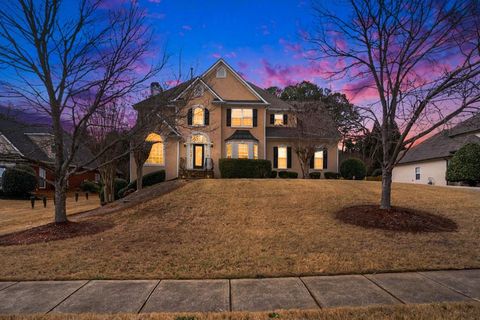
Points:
x=18, y=215
x=443, y=311
x=245, y=228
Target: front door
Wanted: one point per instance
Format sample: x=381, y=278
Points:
x=198, y=156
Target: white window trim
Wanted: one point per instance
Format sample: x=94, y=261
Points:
x=419, y=173
x=220, y=69
x=158, y=165
x=286, y=157
x=193, y=115
x=235, y=144
x=241, y=126
x=318, y=169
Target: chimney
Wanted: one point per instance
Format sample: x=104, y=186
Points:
x=155, y=88
x=191, y=73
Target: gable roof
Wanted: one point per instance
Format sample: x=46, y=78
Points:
x=34, y=142
x=198, y=79
x=445, y=143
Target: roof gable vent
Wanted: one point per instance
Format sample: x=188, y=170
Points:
x=221, y=72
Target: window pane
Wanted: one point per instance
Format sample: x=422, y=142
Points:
x=282, y=158
x=236, y=117
x=198, y=117
x=318, y=161
x=156, y=153
x=242, y=151
x=255, y=151
x=229, y=150
x=278, y=119
x=242, y=117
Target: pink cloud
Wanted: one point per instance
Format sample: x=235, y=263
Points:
x=242, y=65
x=277, y=75
x=289, y=46
x=216, y=55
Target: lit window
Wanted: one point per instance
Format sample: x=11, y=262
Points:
x=255, y=151
x=282, y=157
x=229, y=150
x=242, y=117
x=242, y=151
x=156, y=153
x=198, y=116
x=318, y=160
x=42, y=176
x=278, y=119
x=221, y=72
x=417, y=173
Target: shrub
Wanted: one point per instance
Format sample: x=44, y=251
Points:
x=372, y=178
x=19, y=181
x=315, y=175
x=287, y=175
x=465, y=165
x=353, y=168
x=245, y=168
x=89, y=186
x=377, y=172
x=331, y=175
x=273, y=174
x=118, y=185
x=148, y=180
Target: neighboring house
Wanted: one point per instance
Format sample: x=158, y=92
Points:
x=22, y=143
x=427, y=162
x=227, y=117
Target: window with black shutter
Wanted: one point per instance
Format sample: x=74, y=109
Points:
x=206, y=115
x=325, y=158
x=229, y=117
x=289, y=157
x=190, y=116
x=275, y=157
x=285, y=119
x=255, y=116
x=272, y=119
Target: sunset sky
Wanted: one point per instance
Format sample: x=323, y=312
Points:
x=263, y=40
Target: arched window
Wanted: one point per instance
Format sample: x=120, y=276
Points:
x=221, y=72
x=156, y=153
x=198, y=116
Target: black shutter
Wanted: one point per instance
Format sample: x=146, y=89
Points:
x=190, y=116
x=289, y=157
x=272, y=119
x=325, y=158
x=312, y=161
x=285, y=119
x=275, y=157
x=255, y=116
x=206, y=117
x=229, y=117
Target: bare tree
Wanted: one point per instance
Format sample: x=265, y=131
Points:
x=421, y=57
x=314, y=131
x=70, y=63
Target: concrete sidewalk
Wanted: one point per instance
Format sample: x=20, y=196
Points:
x=133, y=296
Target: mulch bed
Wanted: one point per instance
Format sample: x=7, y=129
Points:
x=395, y=219
x=54, y=231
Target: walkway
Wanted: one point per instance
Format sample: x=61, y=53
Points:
x=111, y=296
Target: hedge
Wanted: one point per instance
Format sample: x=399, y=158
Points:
x=465, y=165
x=374, y=178
x=273, y=174
x=148, y=180
x=19, y=181
x=287, y=175
x=331, y=175
x=90, y=186
x=353, y=168
x=377, y=172
x=245, y=168
x=315, y=175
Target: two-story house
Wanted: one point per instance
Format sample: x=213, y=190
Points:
x=225, y=117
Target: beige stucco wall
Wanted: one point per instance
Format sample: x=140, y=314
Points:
x=332, y=164
x=171, y=145
x=435, y=169
x=229, y=88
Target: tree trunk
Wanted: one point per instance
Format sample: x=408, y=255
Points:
x=139, y=177
x=386, y=202
x=60, y=201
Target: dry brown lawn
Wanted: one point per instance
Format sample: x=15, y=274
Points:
x=18, y=215
x=443, y=311
x=250, y=228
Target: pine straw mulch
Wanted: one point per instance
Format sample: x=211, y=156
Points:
x=54, y=231
x=395, y=219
